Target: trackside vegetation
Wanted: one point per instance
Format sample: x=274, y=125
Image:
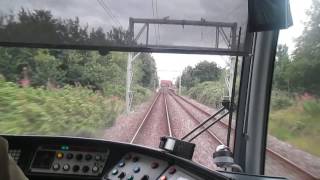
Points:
x=66, y=92
x=76, y=111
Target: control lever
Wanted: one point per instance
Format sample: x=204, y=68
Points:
x=185, y=149
x=177, y=147
x=222, y=157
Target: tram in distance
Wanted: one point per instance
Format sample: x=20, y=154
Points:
x=98, y=35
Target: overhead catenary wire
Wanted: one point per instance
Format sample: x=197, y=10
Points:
x=109, y=13
x=115, y=19
x=114, y=14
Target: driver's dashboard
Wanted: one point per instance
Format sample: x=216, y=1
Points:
x=78, y=158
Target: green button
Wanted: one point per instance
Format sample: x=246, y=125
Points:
x=130, y=177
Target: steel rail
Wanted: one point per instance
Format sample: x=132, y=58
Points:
x=195, y=119
x=145, y=118
x=167, y=115
x=272, y=152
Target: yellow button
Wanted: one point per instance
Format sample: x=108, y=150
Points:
x=59, y=155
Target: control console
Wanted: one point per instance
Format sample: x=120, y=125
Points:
x=56, y=158
x=178, y=173
x=136, y=166
x=69, y=160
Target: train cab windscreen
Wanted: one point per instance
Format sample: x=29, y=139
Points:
x=136, y=89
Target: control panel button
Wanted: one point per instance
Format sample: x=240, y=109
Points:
x=135, y=159
x=98, y=158
x=136, y=169
x=122, y=175
x=59, y=155
x=163, y=178
x=79, y=157
x=145, y=177
x=66, y=167
x=154, y=165
x=75, y=168
x=88, y=157
x=69, y=156
x=121, y=164
x=55, y=166
x=85, y=169
x=130, y=177
x=95, y=169
x=172, y=170
x=114, y=172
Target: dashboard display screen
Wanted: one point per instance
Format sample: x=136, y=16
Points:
x=43, y=159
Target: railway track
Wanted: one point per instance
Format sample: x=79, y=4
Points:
x=155, y=124
x=272, y=153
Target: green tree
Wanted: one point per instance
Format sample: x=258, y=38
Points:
x=305, y=67
x=281, y=78
x=203, y=71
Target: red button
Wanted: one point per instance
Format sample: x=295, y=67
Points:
x=154, y=165
x=163, y=178
x=172, y=170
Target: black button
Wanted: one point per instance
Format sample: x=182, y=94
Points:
x=88, y=157
x=85, y=169
x=75, y=168
x=122, y=175
x=135, y=159
x=145, y=177
x=79, y=157
x=69, y=156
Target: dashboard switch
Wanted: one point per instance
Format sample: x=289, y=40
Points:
x=154, y=165
x=56, y=167
x=122, y=175
x=98, y=158
x=172, y=170
x=135, y=159
x=75, y=168
x=145, y=177
x=121, y=164
x=95, y=169
x=85, y=169
x=115, y=172
x=136, y=169
x=130, y=177
x=79, y=157
x=59, y=155
x=88, y=157
x=69, y=156
x=66, y=167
